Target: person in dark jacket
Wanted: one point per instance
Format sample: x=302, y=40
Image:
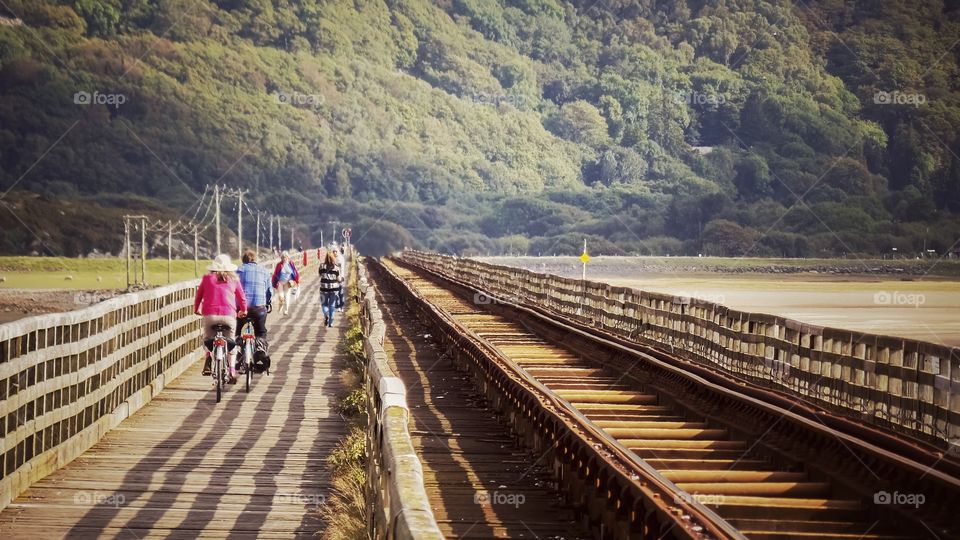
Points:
x=331, y=283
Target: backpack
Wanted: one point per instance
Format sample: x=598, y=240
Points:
x=261, y=355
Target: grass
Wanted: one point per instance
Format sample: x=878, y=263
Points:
x=55, y=272
x=345, y=511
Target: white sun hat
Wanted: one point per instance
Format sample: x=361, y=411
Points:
x=222, y=264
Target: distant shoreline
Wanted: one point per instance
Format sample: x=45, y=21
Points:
x=616, y=265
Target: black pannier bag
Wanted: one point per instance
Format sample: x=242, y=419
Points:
x=261, y=355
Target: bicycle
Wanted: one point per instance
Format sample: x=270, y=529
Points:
x=246, y=360
x=219, y=348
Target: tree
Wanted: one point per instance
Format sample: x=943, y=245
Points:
x=377, y=238
x=727, y=239
x=579, y=122
x=102, y=17
x=753, y=177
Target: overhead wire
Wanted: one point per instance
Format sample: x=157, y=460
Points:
x=206, y=201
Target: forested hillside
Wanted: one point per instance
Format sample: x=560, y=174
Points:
x=727, y=127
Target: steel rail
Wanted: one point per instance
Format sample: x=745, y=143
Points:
x=683, y=369
x=912, y=457
x=656, y=489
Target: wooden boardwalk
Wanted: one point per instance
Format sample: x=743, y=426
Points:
x=186, y=467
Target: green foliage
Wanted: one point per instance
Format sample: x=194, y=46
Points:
x=727, y=239
x=102, y=17
x=579, y=122
x=353, y=404
x=465, y=125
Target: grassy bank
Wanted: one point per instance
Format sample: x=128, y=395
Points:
x=68, y=273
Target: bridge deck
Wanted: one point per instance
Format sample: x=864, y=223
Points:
x=185, y=466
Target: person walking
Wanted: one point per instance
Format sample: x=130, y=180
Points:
x=220, y=300
x=331, y=283
x=285, y=277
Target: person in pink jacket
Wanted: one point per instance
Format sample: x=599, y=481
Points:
x=220, y=300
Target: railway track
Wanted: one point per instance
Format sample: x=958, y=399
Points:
x=642, y=450
x=481, y=483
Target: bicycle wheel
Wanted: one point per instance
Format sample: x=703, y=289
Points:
x=218, y=372
x=248, y=365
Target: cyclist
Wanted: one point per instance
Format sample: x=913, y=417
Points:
x=222, y=301
x=255, y=281
x=330, y=287
x=285, y=277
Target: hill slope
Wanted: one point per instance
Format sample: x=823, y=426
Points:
x=727, y=127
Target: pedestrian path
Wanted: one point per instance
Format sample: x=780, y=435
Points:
x=185, y=466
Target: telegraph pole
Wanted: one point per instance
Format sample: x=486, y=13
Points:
x=128, y=225
x=240, y=224
x=143, y=249
x=196, y=253
x=169, y=249
x=258, y=233
x=279, y=236
x=216, y=202
x=271, y=234
x=126, y=243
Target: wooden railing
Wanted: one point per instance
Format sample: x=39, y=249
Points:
x=396, y=498
x=68, y=378
x=900, y=384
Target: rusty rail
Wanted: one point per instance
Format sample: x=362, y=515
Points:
x=628, y=495
x=898, y=384
x=840, y=452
